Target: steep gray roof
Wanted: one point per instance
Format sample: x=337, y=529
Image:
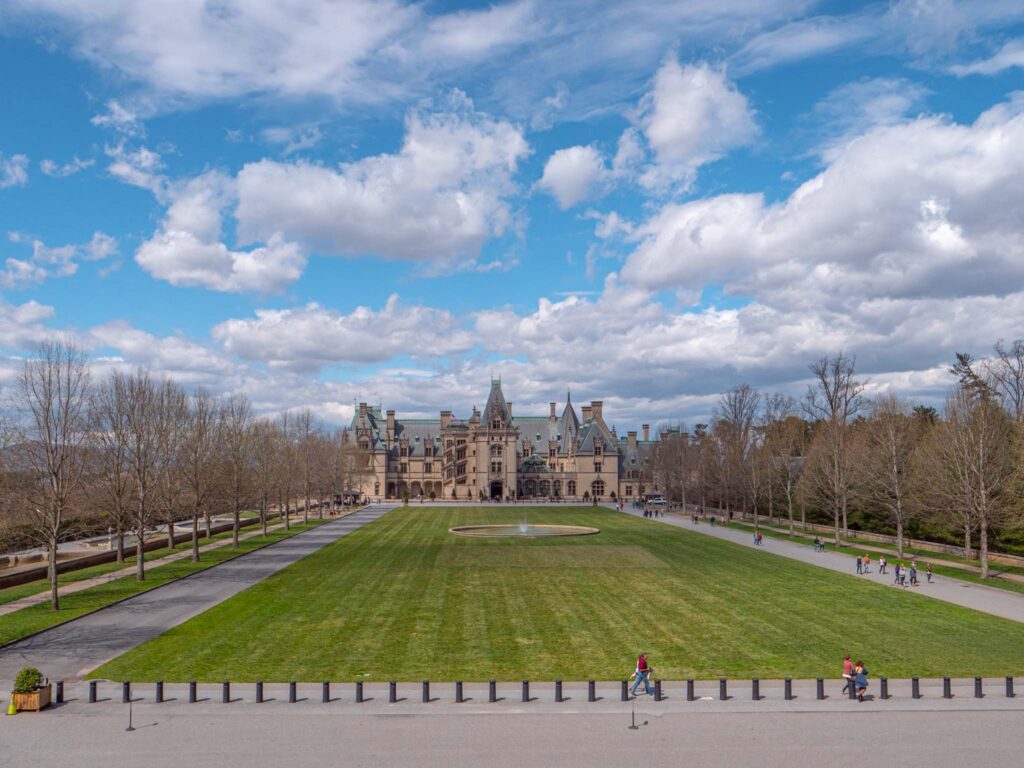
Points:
x=536, y=431
x=496, y=403
x=423, y=436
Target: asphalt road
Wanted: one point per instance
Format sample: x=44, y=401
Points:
x=72, y=650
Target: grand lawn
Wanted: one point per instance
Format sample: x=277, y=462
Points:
x=403, y=599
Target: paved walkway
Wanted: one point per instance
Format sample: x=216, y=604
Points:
x=73, y=649
x=998, y=602
x=78, y=586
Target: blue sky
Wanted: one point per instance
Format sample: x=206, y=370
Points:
x=320, y=202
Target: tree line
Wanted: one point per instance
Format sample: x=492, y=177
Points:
x=883, y=463
x=138, y=451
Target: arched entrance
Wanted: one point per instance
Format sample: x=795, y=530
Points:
x=496, y=490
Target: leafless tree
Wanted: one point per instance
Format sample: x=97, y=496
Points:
x=53, y=397
x=1006, y=372
x=834, y=399
x=305, y=432
x=288, y=465
x=200, y=441
x=783, y=444
x=171, y=485
x=112, y=479
x=237, y=452
x=266, y=451
x=736, y=415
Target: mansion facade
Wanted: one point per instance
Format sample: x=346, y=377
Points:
x=497, y=455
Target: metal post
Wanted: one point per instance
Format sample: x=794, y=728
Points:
x=225, y=692
x=558, y=690
x=126, y=692
x=392, y=692
x=591, y=690
x=192, y=692
x=947, y=691
x=787, y=689
x=426, y=691
x=657, y=690
x=977, y=688
x=722, y=694
x=159, y=691
x=885, y=687
x=689, y=690
x=625, y=690
x=60, y=691
x=458, y=692
x=259, y=691
x=526, y=690
x=292, y=692
x=755, y=689
x=1009, y=687
x=492, y=691
x=821, y=689
x=915, y=688
x=359, y=691
x=853, y=689
x=92, y=691
x=325, y=695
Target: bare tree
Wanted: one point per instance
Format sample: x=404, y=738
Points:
x=783, y=445
x=305, y=430
x=202, y=436
x=288, y=466
x=736, y=416
x=171, y=486
x=53, y=396
x=237, y=453
x=112, y=479
x=266, y=451
x=886, y=448
x=1006, y=372
x=834, y=399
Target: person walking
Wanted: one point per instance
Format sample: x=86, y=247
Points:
x=867, y=564
x=903, y=576
x=896, y=573
x=643, y=673
x=860, y=679
x=913, y=573
x=847, y=672
x=928, y=572
x=860, y=565
x=881, y=564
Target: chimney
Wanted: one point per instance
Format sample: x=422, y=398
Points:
x=362, y=412
x=552, y=413
x=595, y=407
x=509, y=410
x=632, y=439
x=391, y=428
x=647, y=432
x=586, y=413
x=446, y=419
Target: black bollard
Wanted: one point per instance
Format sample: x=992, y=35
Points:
x=689, y=690
x=426, y=691
x=60, y=691
x=225, y=692
x=526, y=690
x=492, y=691
x=259, y=691
x=821, y=689
x=126, y=692
x=853, y=689
x=293, y=693
x=947, y=691
x=755, y=689
x=192, y=692
x=915, y=688
x=92, y=691
x=1009, y=687
x=657, y=690
x=884, y=693
x=458, y=692
x=392, y=692
x=159, y=691
x=591, y=690
x=787, y=689
x=558, y=691
x=359, y=691
x=977, y=688
x=625, y=690
x=325, y=694
x=722, y=693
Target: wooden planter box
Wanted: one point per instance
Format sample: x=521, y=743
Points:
x=33, y=702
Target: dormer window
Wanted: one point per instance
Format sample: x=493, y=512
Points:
x=495, y=423
x=597, y=449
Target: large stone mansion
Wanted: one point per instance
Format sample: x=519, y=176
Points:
x=495, y=454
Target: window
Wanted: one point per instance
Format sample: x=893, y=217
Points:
x=403, y=451
x=551, y=457
x=403, y=467
x=597, y=466
x=570, y=488
x=364, y=445
x=629, y=490
x=428, y=467
x=496, y=467
x=460, y=454
x=495, y=451
x=495, y=424
x=597, y=449
x=597, y=489
x=376, y=489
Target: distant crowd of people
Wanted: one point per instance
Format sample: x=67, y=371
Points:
x=903, y=576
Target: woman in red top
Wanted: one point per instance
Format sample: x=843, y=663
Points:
x=643, y=671
x=847, y=672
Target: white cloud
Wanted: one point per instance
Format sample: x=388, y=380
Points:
x=438, y=199
x=855, y=108
x=120, y=119
x=52, y=168
x=187, y=249
x=801, y=40
x=101, y=246
x=574, y=174
x=293, y=139
x=692, y=116
x=13, y=171
x=139, y=167
x=1009, y=56
x=56, y=261
x=310, y=337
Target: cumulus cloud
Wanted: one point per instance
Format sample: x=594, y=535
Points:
x=439, y=198
x=855, y=108
x=140, y=167
x=309, y=337
x=187, y=249
x=293, y=139
x=52, y=168
x=52, y=261
x=119, y=119
x=574, y=174
x=13, y=171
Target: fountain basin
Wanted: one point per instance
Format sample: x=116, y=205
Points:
x=522, y=531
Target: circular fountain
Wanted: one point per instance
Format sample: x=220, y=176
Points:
x=522, y=531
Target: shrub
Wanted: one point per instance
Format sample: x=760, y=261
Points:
x=28, y=680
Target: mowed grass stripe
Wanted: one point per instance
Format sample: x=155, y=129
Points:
x=392, y=601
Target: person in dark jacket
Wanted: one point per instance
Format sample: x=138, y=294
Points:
x=860, y=679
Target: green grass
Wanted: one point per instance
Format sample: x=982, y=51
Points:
x=403, y=599
x=39, y=617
